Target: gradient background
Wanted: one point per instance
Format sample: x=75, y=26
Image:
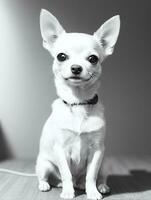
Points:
x=26, y=81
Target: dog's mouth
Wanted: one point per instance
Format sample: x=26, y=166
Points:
x=76, y=79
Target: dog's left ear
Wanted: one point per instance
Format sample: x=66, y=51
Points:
x=108, y=33
x=50, y=28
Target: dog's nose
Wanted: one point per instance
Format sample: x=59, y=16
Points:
x=76, y=69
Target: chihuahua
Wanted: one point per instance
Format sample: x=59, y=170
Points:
x=72, y=141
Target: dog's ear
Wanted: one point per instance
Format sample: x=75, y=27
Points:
x=108, y=33
x=50, y=28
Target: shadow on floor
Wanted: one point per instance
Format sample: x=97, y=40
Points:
x=135, y=181
x=54, y=181
x=5, y=151
x=79, y=192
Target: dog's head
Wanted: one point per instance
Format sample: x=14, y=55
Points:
x=78, y=56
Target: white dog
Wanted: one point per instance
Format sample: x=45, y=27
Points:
x=72, y=141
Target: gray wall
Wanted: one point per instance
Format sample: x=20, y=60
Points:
x=26, y=81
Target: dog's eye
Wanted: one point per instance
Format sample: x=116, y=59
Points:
x=93, y=59
x=62, y=57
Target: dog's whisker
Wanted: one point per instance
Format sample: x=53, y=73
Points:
x=92, y=75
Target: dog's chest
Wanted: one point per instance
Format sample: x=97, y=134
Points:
x=77, y=148
x=78, y=119
x=79, y=131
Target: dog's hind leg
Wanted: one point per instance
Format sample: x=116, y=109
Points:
x=102, y=181
x=44, y=169
x=102, y=186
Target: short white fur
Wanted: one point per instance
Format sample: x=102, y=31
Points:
x=72, y=140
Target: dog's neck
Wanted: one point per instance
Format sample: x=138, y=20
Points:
x=75, y=94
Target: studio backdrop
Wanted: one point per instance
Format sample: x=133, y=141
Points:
x=26, y=80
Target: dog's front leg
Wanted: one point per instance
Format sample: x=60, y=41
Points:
x=67, y=184
x=94, y=163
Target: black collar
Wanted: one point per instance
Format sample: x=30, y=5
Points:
x=92, y=101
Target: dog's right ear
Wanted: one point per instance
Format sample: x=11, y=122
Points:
x=50, y=29
x=108, y=33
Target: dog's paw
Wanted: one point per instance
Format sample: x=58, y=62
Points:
x=67, y=192
x=104, y=189
x=44, y=186
x=93, y=193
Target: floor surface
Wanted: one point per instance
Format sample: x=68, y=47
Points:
x=129, y=179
